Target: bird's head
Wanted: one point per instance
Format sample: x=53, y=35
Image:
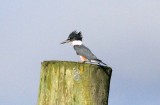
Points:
x=73, y=37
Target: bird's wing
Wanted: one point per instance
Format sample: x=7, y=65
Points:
x=84, y=51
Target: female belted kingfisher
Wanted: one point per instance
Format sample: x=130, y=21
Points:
x=85, y=54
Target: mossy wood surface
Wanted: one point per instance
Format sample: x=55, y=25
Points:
x=73, y=83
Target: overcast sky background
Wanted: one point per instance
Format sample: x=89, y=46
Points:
x=125, y=34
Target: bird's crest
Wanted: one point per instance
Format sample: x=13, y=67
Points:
x=75, y=36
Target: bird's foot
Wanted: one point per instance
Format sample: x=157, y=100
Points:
x=83, y=61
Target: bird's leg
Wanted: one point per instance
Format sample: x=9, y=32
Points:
x=83, y=61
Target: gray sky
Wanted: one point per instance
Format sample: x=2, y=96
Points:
x=125, y=34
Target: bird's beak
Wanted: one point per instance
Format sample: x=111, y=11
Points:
x=66, y=41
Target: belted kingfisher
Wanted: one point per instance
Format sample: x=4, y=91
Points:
x=75, y=38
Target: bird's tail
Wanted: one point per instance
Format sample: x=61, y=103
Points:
x=100, y=61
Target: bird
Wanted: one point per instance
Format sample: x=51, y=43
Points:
x=75, y=38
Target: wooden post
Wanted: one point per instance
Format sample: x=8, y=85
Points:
x=73, y=83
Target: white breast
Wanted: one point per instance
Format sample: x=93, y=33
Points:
x=76, y=42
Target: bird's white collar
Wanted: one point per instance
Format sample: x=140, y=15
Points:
x=76, y=42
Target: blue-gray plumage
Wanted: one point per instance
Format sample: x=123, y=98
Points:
x=84, y=51
x=85, y=54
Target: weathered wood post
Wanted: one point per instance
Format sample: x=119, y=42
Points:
x=73, y=83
